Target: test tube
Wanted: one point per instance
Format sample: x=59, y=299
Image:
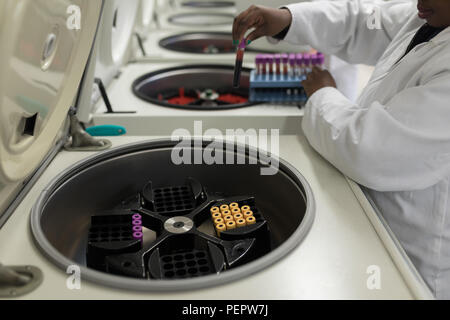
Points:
x=277, y=59
x=320, y=59
x=269, y=62
x=313, y=60
x=299, y=62
x=238, y=66
x=258, y=64
x=292, y=63
x=233, y=205
x=307, y=62
x=285, y=60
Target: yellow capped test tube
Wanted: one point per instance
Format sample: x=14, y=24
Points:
x=214, y=210
x=216, y=215
x=226, y=213
x=238, y=216
x=231, y=225
x=224, y=207
x=250, y=220
x=245, y=208
x=248, y=214
x=220, y=227
x=218, y=221
x=240, y=223
x=234, y=205
x=228, y=217
x=235, y=211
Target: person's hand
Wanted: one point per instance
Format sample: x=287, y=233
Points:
x=266, y=22
x=316, y=80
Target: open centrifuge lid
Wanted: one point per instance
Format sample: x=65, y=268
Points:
x=116, y=28
x=45, y=47
x=145, y=14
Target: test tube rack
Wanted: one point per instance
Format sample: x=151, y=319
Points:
x=276, y=88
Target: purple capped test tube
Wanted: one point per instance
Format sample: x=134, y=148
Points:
x=277, y=59
x=307, y=62
x=137, y=229
x=137, y=222
x=292, y=63
x=258, y=63
x=299, y=64
x=285, y=60
x=320, y=59
x=269, y=62
x=313, y=60
x=136, y=216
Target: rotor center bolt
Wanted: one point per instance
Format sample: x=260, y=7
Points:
x=179, y=224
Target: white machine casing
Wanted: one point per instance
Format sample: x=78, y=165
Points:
x=41, y=72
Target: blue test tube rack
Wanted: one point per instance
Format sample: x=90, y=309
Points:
x=277, y=88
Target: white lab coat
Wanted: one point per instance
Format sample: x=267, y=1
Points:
x=395, y=140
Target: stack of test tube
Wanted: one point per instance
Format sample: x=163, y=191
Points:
x=277, y=78
x=231, y=216
x=137, y=227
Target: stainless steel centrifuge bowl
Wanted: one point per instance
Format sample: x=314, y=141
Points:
x=192, y=77
x=61, y=217
x=205, y=43
x=198, y=19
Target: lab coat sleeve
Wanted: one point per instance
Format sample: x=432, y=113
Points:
x=346, y=28
x=403, y=145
